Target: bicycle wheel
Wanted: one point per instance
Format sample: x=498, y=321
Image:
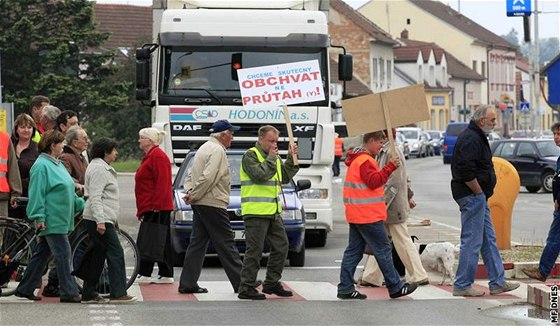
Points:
x=14, y=241
x=131, y=260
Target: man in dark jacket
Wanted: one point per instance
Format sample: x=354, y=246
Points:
x=473, y=181
x=552, y=247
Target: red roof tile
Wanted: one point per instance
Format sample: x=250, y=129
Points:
x=128, y=25
x=361, y=21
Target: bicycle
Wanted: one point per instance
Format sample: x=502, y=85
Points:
x=16, y=234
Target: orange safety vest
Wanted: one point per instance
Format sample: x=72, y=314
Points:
x=338, y=144
x=4, y=145
x=362, y=204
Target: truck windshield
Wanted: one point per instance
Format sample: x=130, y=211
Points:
x=204, y=74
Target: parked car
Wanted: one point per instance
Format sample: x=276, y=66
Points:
x=417, y=142
x=430, y=147
x=293, y=213
x=545, y=134
x=492, y=136
x=534, y=160
x=403, y=144
x=437, y=140
x=451, y=132
x=522, y=134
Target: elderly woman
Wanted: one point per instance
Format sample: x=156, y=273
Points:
x=52, y=205
x=26, y=153
x=76, y=143
x=154, y=203
x=100, y=220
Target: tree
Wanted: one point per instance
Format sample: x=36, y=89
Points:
x=51, y=47
x=512, y=37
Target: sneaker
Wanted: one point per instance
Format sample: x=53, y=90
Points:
x=534, y=273
x=124, y=299
x=423, y=282
x=96, y=300
x=468, y=292
x=353, y=295
x=140, y=279
x=31, y=296
x=508, y=286
x=405, y=290
x=76, y=299
x=164, y=280
x=251, y=295
x=278, y=290
x=195, y=290
x=51, y=291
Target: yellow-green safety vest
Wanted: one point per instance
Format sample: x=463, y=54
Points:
x=261, y=198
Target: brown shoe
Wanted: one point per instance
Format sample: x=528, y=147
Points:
x=468, y=292
x=123, y=299
x=508, y=286
x=534, y=273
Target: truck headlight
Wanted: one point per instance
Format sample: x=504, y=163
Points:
x=292, y=214
x=314, y=194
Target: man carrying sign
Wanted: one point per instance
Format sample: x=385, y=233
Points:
x=366, y=213
x=262, y=173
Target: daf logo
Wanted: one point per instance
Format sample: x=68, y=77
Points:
x=187, y=127
x=303, y=128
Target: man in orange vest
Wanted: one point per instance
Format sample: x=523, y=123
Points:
x=10, y=180
x=366, y=213
x=338, y=151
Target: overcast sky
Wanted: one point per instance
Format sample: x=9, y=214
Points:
x=488, y=13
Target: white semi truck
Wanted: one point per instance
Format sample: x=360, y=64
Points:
x=188, y=74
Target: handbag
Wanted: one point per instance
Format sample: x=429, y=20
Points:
x=152, y=237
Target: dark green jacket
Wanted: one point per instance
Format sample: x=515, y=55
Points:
x=261, y=172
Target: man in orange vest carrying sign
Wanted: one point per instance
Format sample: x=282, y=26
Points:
x=10, y=180
x=338, y=152
x=366, y=213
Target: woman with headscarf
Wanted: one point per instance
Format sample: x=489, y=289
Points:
x=154, y=202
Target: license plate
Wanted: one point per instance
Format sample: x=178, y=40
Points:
x=239, y=235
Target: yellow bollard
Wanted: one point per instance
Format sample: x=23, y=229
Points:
x=501, y=203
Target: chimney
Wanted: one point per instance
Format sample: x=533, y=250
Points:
x=404, y=34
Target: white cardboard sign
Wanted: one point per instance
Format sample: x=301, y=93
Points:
x=284, y=84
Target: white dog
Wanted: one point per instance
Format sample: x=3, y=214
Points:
x=439, y=256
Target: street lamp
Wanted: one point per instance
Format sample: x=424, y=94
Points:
x=465, y=83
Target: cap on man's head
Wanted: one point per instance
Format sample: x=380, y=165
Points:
x=222, y=125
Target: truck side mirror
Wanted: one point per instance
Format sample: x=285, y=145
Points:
x=345, y=67
x=142, y=74
x=143, y=54
x=303, y=184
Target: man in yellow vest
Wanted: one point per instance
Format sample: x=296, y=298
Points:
x=262, y=173
x=366, y=212
x=10, y=180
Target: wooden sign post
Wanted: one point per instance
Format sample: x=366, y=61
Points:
x=389, y=128
x=290, y=133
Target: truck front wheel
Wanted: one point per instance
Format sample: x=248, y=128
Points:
x=297, y=259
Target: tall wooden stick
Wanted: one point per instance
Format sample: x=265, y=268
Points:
x=388, y=125
x=290, y=132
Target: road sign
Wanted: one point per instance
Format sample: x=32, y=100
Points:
x=518, y=7
x=524, y=107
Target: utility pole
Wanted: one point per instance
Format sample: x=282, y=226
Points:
x=537, y=69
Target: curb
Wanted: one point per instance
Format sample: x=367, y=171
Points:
x=513, y=270
x=539, y=294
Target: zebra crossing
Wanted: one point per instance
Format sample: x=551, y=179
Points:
x=303, y=291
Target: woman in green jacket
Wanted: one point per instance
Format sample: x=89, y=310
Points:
x=52, y=205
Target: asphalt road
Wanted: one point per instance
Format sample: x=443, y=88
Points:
x=431, y=185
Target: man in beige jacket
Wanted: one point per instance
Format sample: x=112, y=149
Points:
x=398, y=198
x=207, y=189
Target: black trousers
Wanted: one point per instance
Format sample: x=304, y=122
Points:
x=336, y=166
x=210, y=223
x=165, y=267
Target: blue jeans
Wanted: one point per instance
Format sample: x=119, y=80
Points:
x=60, y=247
x=375, y=235
x=552, y=247
x=477, y=237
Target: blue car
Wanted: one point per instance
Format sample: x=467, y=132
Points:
x=293, y=214
x=451, y=132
